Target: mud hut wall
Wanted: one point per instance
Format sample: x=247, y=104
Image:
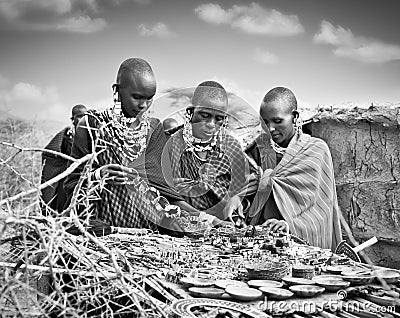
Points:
x=366, y=158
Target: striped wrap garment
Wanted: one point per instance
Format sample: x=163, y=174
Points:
x=303, y=186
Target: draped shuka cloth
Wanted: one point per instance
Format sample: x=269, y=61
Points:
x=303, y=187
x=207, y=184
x=123, y=205
x=53, y=165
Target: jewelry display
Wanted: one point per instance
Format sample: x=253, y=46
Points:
x=151, y=195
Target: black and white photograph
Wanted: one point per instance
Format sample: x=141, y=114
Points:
x=196, y=159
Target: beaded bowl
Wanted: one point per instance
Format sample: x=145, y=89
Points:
x=272, y=270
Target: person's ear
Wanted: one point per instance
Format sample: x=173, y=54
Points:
x=296, y=115
x=190, y=110
x=115, y=88
x=189, y=113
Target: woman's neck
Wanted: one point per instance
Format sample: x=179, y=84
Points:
x=202, y=154
x=286, y=143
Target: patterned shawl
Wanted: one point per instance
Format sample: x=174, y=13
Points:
x=204, y=184
x=303, y=186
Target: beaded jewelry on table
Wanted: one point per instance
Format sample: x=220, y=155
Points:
x=152, y=196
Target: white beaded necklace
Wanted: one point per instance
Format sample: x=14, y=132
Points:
x=196, y=144
x=277, y=148
x=130, y=141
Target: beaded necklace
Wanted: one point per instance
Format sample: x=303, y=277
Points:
x=128, y=140
x=277, y=148
x=281, y=150
x=194, y=144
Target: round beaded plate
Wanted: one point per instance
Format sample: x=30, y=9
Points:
x=182, y=307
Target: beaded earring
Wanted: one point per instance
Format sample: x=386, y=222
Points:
x=187, y=124
x=298, y=125
x=221, y=133
x=117, y=103
x=130, y=141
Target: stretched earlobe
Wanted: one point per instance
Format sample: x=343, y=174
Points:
x=115, y=88
x=296, y=115
x=298, y=122
x=189, y=113
x=116, y=97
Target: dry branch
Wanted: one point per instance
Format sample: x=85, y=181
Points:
x=22, y=149
x=68, y=171
x=42, y=247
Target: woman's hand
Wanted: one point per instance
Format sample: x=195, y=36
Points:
x=265, y=179
x=276, y=225
x=116, y=174
x=219, y=223
x=233, y=207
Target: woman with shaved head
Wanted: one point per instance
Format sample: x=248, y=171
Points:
x=207, y=162
x=170, y=126
x=126, y=182
x=297, y=185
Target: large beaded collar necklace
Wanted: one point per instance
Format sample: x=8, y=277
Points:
x=128, y=139
x=277, y=148
x=281, y=150
x=197, y=144
x=194, y=144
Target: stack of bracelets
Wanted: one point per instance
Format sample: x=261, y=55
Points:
x=152, y=196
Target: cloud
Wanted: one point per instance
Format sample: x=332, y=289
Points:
x=31, y=102
x=358, y=48
x=82, y=24
x=213, y=13
x=252, y=97
x=265, y=57
x=118, y=2
x=173, y=102
x=253, y=19
x=160, y=30
x=26, y=92
x=328, y=34
x=60, y=15
x=142, y=1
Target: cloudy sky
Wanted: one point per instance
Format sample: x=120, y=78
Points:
x=56, y=53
